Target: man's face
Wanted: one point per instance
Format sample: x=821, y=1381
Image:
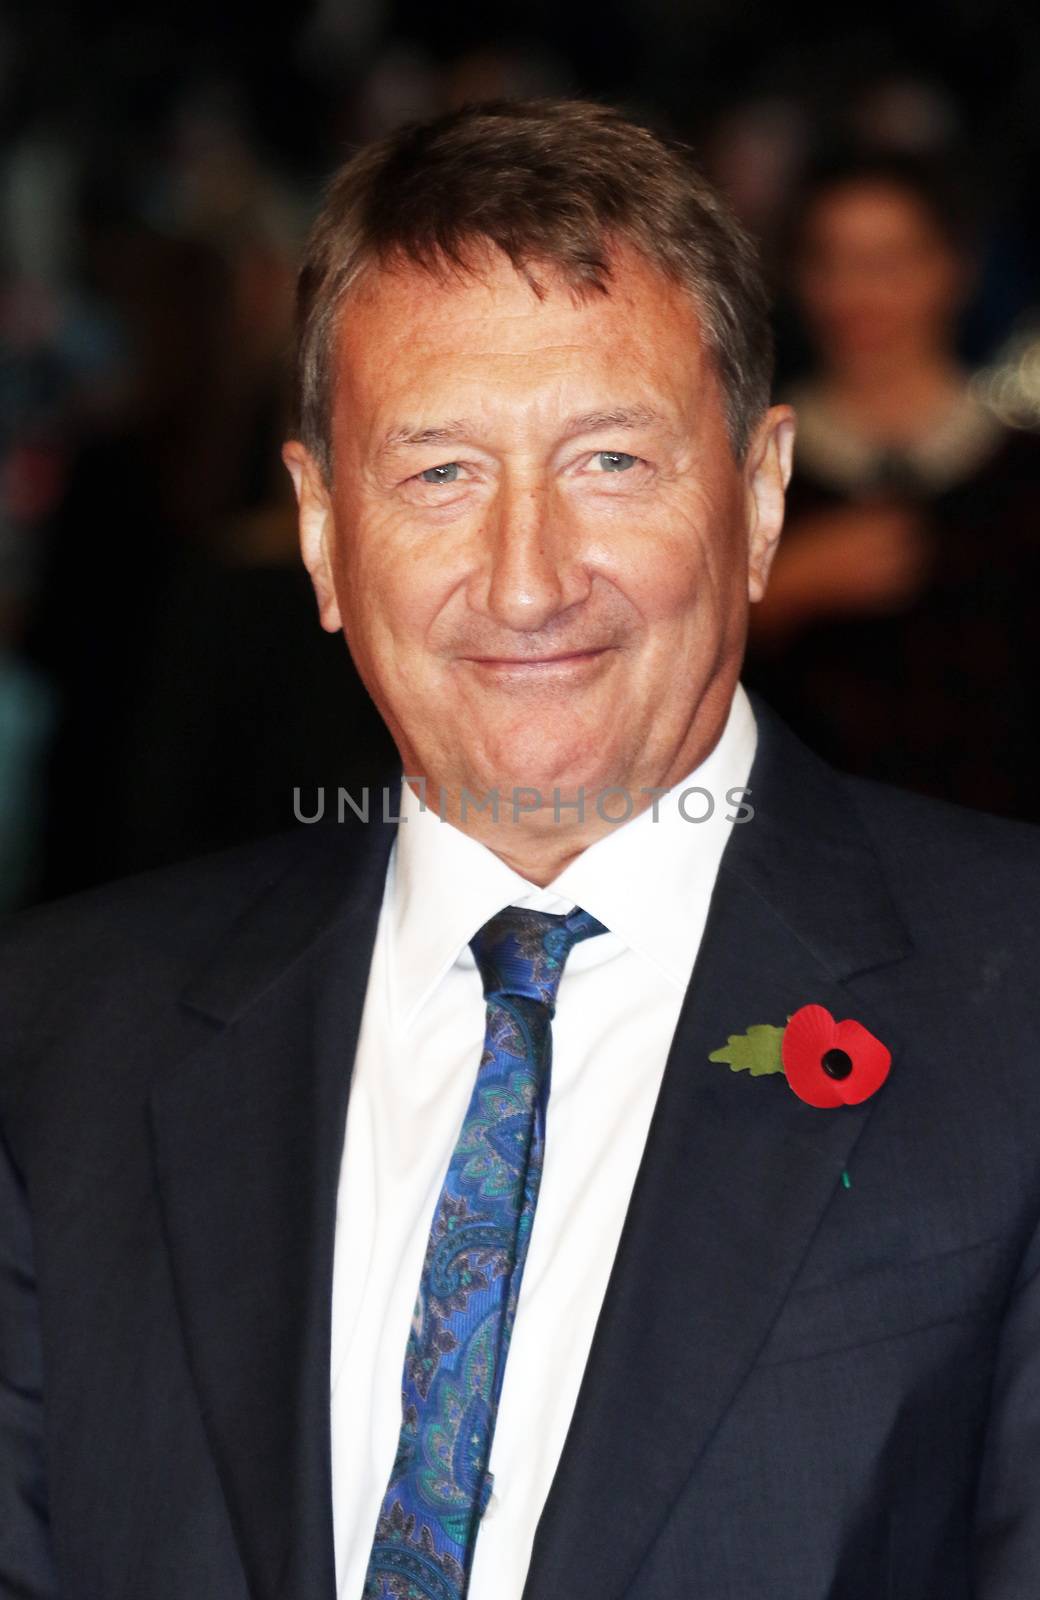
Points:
x=537, y=540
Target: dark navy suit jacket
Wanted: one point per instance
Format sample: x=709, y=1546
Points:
x=800, y=1388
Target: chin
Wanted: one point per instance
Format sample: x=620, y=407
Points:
x=554, y=775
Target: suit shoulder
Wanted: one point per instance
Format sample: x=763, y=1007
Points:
x=902, y=820
x=950, y=862
x=136, y=938
x=174, y=905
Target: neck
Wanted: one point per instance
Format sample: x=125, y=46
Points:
x=540, y=853
x=538, y=842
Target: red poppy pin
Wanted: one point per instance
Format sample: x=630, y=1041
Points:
x=827, y=1063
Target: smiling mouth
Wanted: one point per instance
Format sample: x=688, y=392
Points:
x=566, y=658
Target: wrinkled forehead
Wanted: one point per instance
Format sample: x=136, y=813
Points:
x=491, y=330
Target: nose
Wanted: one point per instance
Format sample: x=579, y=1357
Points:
x=531, y=568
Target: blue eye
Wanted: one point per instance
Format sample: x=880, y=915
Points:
x=446, y=474
x=615, y=460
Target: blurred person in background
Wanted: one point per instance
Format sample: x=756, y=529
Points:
x=26, y=712
x=173, y=617
x=897, y=633
x=55, y=356
x=235, y=677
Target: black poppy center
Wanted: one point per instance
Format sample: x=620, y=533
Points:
x=836, y=1063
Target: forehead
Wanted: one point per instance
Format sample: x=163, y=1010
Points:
x=404, y=334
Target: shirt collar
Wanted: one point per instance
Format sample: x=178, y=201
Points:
x=648, y=880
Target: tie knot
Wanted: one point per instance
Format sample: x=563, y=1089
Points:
x=522, y=952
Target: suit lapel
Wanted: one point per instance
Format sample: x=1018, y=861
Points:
x=735, y=1178
x=247, y=1138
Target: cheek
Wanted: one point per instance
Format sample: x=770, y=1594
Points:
x=689, y=565
x=390, y=592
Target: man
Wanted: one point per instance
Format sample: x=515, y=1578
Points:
x=386, y=1211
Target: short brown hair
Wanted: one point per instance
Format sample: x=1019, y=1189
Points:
x=551, y=182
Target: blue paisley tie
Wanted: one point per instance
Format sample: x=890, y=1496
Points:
x=470, y=1283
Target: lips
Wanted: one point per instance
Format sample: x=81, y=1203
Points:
x=537, y=661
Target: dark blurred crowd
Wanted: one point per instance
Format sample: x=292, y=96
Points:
x=164, y=685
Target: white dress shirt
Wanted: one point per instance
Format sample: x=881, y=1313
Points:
x=649, y=881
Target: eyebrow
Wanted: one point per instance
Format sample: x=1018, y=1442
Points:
x=618, y=417
x=637, y=416
x=446, y=433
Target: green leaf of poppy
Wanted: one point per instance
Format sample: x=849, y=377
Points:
x=757, y=1051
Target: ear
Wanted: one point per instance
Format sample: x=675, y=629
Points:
x=767, y=470
x=317, y=528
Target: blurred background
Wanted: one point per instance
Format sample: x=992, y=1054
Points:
x=164, y=684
